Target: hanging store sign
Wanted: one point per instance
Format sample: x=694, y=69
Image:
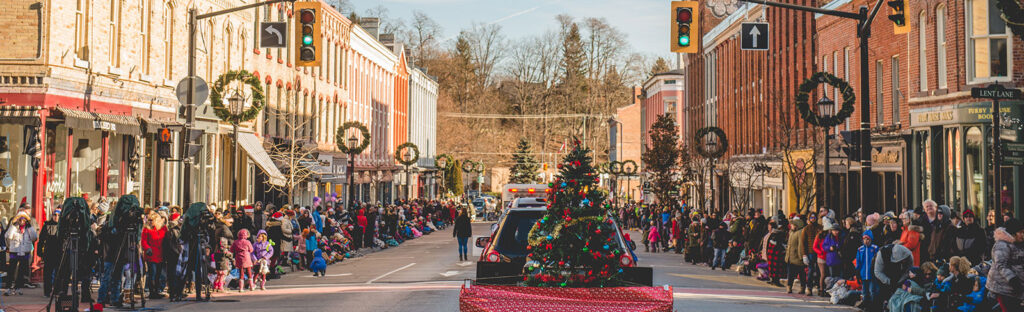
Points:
x=966, y=113
x=104, y=125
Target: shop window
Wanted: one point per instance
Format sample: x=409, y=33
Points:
x=953, y=162
x=974, y=164
x=989, y=43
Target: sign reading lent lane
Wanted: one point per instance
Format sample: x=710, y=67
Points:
x=996, y=92
x=754, y=36
x=272, y=35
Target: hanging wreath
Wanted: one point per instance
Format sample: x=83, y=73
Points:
x=720, y=148
x=339, y=137
x=631, y=165
x=467, y=166
x=1011, y=9
x=415, y=154
x=217, y=96
x=448, y=161
x=809, y=85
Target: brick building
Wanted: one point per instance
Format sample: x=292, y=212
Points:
x=626, y=131
x=94, y=80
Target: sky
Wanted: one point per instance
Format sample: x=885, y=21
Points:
x=645, y=22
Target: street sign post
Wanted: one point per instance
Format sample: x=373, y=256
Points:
x=202, y=90
x=755, y=36
x=273, y=35
x=995, y=93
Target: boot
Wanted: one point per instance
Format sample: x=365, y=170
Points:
x=789, y=289
x=803, y=289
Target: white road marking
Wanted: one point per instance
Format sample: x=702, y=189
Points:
x=329, y=275
x=464, y=263
x=389, y=273
x=449, y=273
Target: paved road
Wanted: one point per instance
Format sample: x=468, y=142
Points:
x=424, y=275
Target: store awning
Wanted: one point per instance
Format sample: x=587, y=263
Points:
x=23, y=115
x=251, y=144
x=122, y=124
x=77, y=119
x=150, y=125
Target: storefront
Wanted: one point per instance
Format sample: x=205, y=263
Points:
x=950, y=160
x=888, y=167
x=773, y=181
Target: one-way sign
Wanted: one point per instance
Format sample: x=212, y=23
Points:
x=754, y=36
x=272, y=35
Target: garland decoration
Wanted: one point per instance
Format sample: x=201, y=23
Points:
x=217, y=96
x=340, y=138
x=809, y=85
x=720, y=148
x=415, y=154
x=1011, y=9
x=468, y=166
x=629, y=167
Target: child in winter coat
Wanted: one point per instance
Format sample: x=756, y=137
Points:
x=319, y=265
x=242, y=249
x=865, y=269
x=653, y=236
x=223, y=258
x=263, y=250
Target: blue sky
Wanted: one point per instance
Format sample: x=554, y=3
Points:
x=644, y=22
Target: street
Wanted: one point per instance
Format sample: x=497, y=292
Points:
x=422, y=275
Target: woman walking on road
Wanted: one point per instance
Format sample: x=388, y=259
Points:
x=462, y=232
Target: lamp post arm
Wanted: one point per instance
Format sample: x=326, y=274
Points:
x=843, y=14
x=239, y=8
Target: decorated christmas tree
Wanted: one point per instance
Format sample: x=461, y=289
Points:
x=574, y=244
x=525, y=168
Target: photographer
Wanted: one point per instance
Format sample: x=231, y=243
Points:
x=75, y=222
x=196, y=230
x=120, y=242
x=50, y=250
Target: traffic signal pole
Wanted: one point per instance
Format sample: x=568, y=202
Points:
x=864, y=19
x=190, y=107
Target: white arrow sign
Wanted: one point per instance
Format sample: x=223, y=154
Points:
x=272, y=35
x=280, y=38
x=754, y=33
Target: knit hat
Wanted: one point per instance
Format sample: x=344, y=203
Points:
x=248, y=208
x=944, y=210
x=827, y=225
x=869, y=235
x=872, y=218
x=276, y=215
x=1013, y=226
x=175, y=216
x=968, y=213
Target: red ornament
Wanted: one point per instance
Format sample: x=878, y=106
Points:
x=561, y=263
x=559, y=167
x=548, y=247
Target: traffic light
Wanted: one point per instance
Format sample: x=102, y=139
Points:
x=307, y=36
x=163, y=143
x=899, y=17
x=685, y=27
x=194, y=143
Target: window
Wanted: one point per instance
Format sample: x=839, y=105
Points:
x=846, y=76
x=879, y=100
x=835, y=71
x=114, y=28
x=209, y=52
x=228, y=45
x=670, y=82
x=922, y=54
x=144, y=29
x=988, y=45
x=82, y=29
x=896, y=94
x=940, y=43
x=169, y=41
x=280, y=18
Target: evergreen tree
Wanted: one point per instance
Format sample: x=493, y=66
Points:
x=574, y=244
x=573, y=84
x=525, y=168
x=453, y=178
x=660, y=66
x=662, y=157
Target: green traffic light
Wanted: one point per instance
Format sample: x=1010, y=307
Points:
x=307, y=39
x=684, y=40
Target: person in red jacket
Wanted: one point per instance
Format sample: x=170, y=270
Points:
x=152, y=248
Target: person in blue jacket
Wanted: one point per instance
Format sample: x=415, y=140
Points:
x=865, y=269
x=319, y=265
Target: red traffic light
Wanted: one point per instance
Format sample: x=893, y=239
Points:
x=684, y=15
x=307, y=16
x=164, y=135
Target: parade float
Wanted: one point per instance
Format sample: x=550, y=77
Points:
x=575, y=260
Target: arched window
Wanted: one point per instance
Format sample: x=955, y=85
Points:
x=82, y=29
x=922, y=54
x=144, y=31
x=228, y=46
x=114, y=26
x=169, y=40
x=940, y=44
x=209, y=52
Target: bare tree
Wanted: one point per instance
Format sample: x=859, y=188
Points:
x=388, y=25
x=488, y=48
x=296, y=149
x=421, y=37
x=799, y=158
x=743, y=176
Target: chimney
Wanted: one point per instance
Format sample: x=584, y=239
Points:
x=371, y=25
x=388, y=40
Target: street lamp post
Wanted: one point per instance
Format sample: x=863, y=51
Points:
x=352, y=144
x=825, y=108
x=236, y=101
x=408, y=190
x=710, y=145
x=442, y=163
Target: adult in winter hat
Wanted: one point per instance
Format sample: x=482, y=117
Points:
x=827, y=225
x=968, y=213
x=944, y=210
x=1013, y=226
